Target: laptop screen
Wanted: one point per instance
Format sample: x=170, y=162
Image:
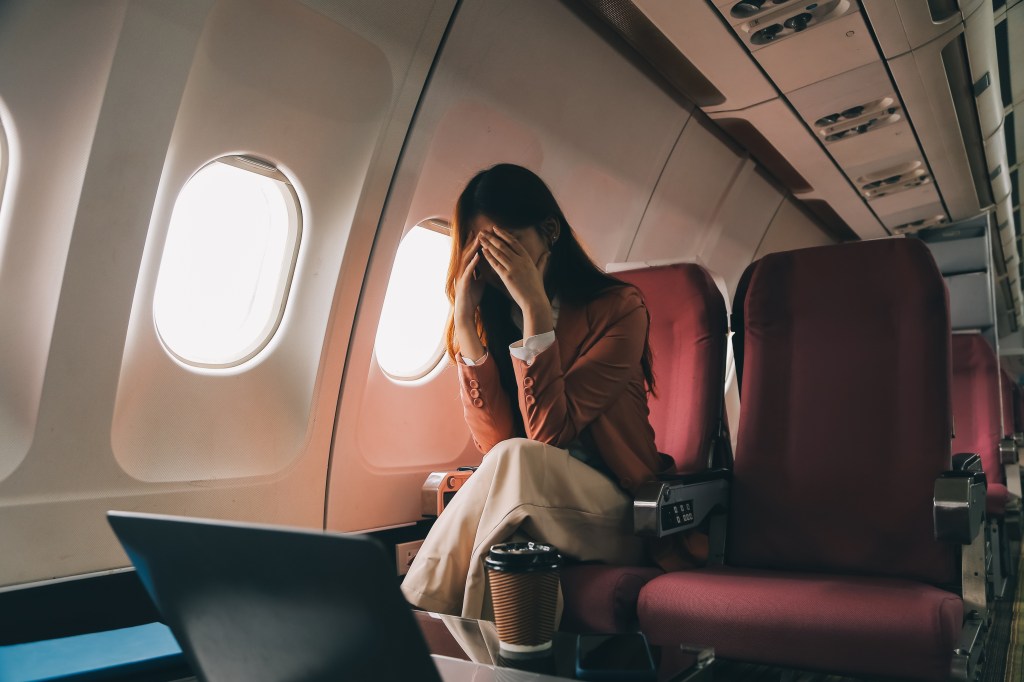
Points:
x=254, y=602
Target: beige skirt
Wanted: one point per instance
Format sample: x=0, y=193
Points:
x=523, y=490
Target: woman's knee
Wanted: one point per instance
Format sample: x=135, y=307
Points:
x=516, y=451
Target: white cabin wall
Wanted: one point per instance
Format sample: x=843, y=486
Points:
x=326, y=89
x=791, y=228
x=54, y=63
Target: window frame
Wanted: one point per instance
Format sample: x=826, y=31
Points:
x=443, y=227
x=266, y=169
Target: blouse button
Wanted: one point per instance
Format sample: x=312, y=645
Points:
x=530, y=400
x=474, y=392
x=527, y=391
x=478, y=403
x=528, y=381
x=473, y=383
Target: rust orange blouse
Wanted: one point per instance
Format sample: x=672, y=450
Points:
x=588, y=386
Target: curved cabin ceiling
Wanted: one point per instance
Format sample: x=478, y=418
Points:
x=882, y=116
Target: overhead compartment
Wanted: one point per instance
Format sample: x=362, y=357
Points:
x=815, y=52
x=904, y=25
x=750, y=109
x=935, y=84
x=702, y=43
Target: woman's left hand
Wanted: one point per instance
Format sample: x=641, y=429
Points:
x=522, y=277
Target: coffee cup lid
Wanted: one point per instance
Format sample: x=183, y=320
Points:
x=523, y=557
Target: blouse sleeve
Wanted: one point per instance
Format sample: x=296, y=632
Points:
x=485, y=404
x=557, y=405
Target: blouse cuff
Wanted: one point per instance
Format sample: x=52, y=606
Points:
x=528, y=349
x=473, y=363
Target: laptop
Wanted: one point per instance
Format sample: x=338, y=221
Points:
x=264, y=603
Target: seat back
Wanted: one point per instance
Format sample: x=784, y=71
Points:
x=844, y=354
x=688, y=336
x=976, y=415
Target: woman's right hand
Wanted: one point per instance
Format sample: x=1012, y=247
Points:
x=468, y=288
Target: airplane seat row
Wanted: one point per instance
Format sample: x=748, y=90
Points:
x=688, y=337
x=978, y=384
x=843, y=479
x=976, y=412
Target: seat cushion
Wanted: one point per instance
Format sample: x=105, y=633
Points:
x=996, y=498
x=601, y=598
x=849, y=625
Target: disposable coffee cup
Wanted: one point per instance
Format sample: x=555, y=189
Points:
x=524, y=592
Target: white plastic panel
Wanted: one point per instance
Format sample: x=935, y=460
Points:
x=688, y=196
x=739, y=227
x=53, y=504
x=1015, y=28
x=698, y=33
x=833, y=48
x=785, y=131
x=865, y=85
x=998, y=168
x=876, y=148
x=253, y=420
x=905, y=200
x=981, y=54
x=921, y=79
x=791, y=228
x=957, y=256
x=932, y=214
x=904, y=25
x=498, y=94
x=54, y=62
x=970, y=305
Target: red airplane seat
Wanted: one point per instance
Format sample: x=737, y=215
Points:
x=976, y=420
x=688, y=336
x=831, y=561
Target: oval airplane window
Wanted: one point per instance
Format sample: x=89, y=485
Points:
x=410, y=334
x=227, y=263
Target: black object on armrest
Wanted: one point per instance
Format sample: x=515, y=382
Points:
x=959, y=504
x=1007, y=451
x=673, y=505
x=967, y=461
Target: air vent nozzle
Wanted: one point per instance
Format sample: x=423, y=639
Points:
x=859, y=119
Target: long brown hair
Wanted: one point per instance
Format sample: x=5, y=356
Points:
x=514, y=198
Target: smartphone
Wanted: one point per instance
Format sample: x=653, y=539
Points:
x=614, y=657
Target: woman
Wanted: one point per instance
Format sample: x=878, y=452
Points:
x=554, y=370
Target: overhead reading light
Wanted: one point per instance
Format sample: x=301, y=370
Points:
x=767, y=26
x=859, y=119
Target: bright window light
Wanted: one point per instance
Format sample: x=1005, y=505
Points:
x=227, y=263
x=410, y=335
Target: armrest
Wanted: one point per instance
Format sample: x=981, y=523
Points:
x=673, y=505
x=439, y=489
x=959, y=504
